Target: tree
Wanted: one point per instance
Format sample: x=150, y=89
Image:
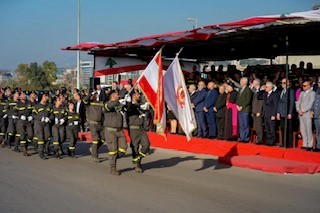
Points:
x=50, y=69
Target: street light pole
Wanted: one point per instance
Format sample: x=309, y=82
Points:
x=78, y=42
x=195, y=20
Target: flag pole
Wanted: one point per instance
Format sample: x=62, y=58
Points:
x=178, y=53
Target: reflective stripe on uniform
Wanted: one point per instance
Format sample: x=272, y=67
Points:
x=1, y=133
x=40, y=142
x=18, y=135
x=112, y=153
x=135, y=127
x=35, y=138
x=136, y=159
x=23, y=142
x=122, y=150
x=29, y=140
x=72, y=147
x=56, y=143
x=142, y=154
x=40, y=109
x=10, y=133
x=96, y=104
x=95, y=142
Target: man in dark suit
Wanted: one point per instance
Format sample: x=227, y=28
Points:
x=80, y=108
x=286, y=101
x=270, y=107
x=220, y=109
x=198, y=104
x=193, y=93
x=210, y=100
x=244, y=108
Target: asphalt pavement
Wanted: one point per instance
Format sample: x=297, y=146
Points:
x=173, y=181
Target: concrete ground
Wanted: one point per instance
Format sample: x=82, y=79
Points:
x=172, y=182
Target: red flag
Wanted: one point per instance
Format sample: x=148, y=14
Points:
x=151, y=84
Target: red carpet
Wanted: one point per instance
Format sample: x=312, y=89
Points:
x=268, y=164
x=271, y=159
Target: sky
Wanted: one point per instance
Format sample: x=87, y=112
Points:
x=36, y=30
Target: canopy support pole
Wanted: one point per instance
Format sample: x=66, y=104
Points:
x=286, y=95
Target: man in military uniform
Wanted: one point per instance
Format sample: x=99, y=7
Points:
x=21, y=125
x=42, y=114
x=58, y=127
x=95, y=119
x=31, y=102
x=72, y=129
x=13, y=117
x=137, y=131
x=3, y=118
x=113, y=132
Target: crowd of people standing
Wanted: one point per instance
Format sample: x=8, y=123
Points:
x=232, y=105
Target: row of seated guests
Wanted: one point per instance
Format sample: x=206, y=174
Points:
x=228, y=110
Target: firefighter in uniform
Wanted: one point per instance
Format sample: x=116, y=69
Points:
x=22, y=108
x=95, y=118
x=42, y=114
x=31, y=102
x=113, y=130
x=13, y=117
x=3, y=118
x=58, y=128
x=137, y=131
x=72, y=129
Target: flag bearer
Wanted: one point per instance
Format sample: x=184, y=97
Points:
x=137, y=131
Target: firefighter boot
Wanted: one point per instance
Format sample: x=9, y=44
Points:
x=41, y=151
x=25, y=150
x=114, y=171
x=94, y=153
x=47, y=149
x=35, y=145
x=56, y=151
x=138, y=167
x=71, y=153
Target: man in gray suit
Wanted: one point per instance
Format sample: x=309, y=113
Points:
x=304, y=105
x=257, y=111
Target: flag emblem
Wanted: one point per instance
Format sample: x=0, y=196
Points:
x=181, y=96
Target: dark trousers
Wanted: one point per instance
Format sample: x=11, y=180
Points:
x=21, y=132
x=201, y=123
x=42, y=132
x=139, y=138
x=117, y=145
x=244, y=126
x=270, y=129
x=289, y=132
x=211, y=120
x=3, y=129
x=258, y=127
x=97, y=135
x=220, y=127
x=317, y=125
x=72, y=136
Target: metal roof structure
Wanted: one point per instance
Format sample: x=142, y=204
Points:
x=256, y=37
